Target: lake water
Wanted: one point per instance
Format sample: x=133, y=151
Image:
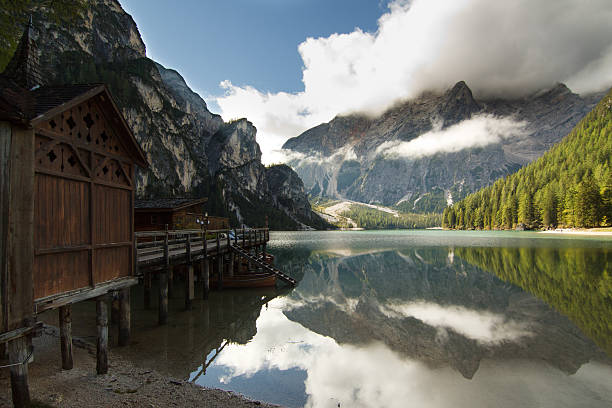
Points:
x=404, y=318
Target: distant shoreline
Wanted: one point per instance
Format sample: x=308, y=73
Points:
x=571, y=231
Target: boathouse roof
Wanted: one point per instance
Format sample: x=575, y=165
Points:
x=25, y=99
x=168, y=203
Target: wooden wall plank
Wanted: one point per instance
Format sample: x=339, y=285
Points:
x=20, y=245
x=5, y=154
x=111, y=263
x=61, y=272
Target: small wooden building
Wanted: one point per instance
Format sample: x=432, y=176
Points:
x=67, y=163
x=176, y=213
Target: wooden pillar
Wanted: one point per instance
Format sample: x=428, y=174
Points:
x=189, y=290
x=171, y=281
x=205, y=278
x=163, y=284
x=102, y=344
x=230, y=267
x=18, y=353
x=65, y=322
x=188, y=275
x=220, y=271
x=114, y=315
x=147, y=290
x=163, y=298
x=125, y=317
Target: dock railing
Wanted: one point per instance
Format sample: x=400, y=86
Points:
x=152, y=247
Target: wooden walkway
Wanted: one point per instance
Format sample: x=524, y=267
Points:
x=215, y=253
x=186, y=246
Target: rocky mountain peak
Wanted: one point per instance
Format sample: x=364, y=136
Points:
x=459, y=104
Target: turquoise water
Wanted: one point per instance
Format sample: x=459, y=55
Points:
x=407, y=318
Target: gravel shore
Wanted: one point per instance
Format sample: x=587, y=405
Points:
x=124, y=386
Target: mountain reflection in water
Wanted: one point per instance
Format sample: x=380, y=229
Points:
x=441, y=319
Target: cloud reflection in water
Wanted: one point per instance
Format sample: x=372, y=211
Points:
x=482, y=326
x=373, y=375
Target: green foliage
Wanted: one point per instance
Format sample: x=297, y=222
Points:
x=570, y=185
x=433, y=201
x=370, y=218
x=575, y=281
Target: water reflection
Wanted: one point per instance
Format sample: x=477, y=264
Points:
x=438, y=320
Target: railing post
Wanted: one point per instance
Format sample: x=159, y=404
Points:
x=228, y=240
x=218, y=243
x=243, y=237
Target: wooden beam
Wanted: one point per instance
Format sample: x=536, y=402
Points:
x=125, y=317
x=65, y=321
x=102, y=344
x=55, y=301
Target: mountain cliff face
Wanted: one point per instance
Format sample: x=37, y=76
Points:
x=192, y=152
x=382, y=159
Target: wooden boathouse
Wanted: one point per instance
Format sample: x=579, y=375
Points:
x=67, y=165
x=176, y=213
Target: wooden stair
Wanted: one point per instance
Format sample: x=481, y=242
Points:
x=259, y=262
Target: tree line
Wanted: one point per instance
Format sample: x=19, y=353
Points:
x=370, y=218
x=569, y=186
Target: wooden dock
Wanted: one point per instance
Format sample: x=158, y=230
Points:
x=210, y=253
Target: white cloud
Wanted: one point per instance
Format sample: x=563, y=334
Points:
x=498, y=47
x=482, y=326
x=479, y=131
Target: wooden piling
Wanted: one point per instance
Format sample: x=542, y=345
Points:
x=163, y=298
x=230, y=267
x=125, y=317
x=102, y=344
x=18, y=353
x=114, y=315
x=65, y=322
x=205, y=278
x=220, y=271
x=163, y=284
x=147, y=290
x=170, y=282
x=189, y=289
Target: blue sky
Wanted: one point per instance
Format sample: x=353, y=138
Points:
x=249, y=42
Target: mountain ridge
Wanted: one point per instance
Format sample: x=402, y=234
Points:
x=339, y=159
